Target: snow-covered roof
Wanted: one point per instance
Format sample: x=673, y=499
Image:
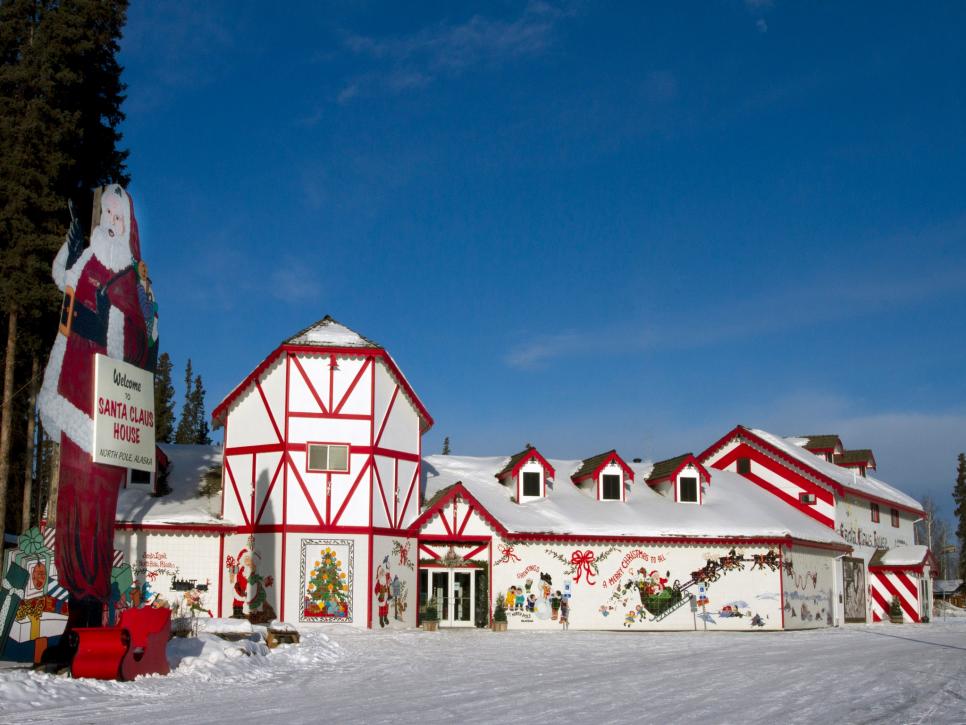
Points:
x=793, y=446
x=732, y=506
x=946, y=586
x=327, y=332
x=183, y=505
x=909, y=555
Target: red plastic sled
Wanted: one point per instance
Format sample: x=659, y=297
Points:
x=136, y=646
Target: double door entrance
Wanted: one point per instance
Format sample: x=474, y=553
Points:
x=455, y=593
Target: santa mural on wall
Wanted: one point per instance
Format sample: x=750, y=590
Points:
x=250, y=600
x=108, y=308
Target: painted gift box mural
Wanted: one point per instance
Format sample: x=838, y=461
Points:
x=33, y=605
x=326, y=580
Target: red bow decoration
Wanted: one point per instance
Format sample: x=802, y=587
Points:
x=507, y=553
x=582, y=561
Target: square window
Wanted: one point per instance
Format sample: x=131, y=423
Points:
x=328, y=458
x=531, y=483
x=807, y=498
x=895, y=517
x=875, y=512
x=611, y=487
x=744, y=465
x=339, y=458
x=688, y=489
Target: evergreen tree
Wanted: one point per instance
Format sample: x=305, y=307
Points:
x=198, y=410
x=446, y=446
x=959, y=496
x=187, y=428
x=163, y=400
x=60, y=100
x=327, y=586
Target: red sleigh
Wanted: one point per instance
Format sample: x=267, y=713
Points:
x=136, y=646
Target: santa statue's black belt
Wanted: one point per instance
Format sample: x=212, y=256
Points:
x=82, y=320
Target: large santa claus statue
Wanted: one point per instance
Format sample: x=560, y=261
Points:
x=108, y=308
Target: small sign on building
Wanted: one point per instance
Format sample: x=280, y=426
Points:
x=123, y=414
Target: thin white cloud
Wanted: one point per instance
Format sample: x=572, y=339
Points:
x=290, y=282
x=446, y=49
x=833, y=294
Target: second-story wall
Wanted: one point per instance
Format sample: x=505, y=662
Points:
x=303, y=398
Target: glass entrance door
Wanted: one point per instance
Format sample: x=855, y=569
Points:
x=463, y=596
x=455, y=593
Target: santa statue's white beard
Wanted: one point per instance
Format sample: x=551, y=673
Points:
x=113, y=252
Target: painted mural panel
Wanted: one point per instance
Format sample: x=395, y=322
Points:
x=252, y=583
x=638, y=587
x=33, y=604
x=326, y=576
x=853, y=589
x=807, y=586
x=394, y=582
x=180, y=571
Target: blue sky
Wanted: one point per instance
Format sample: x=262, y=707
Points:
x=582, y=225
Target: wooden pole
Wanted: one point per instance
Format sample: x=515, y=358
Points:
x=28, y=479
x=6, y=425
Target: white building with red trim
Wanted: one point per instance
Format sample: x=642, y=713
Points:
x=832, y=486
x=328, y=512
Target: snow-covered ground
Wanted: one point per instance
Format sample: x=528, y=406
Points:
x=882, y=673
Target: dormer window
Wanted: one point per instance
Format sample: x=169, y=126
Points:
x=611, y=487
x=682, y=478
x=526, y=475
x=532, y=485
x=688, y=489
x=825, y=446
x=859, y=461
x=603, y=476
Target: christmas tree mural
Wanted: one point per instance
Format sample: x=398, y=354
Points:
x=327, y=576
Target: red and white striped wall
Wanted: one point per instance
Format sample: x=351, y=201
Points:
x=889, y=583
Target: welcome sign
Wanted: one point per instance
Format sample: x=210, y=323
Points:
x=123, y=414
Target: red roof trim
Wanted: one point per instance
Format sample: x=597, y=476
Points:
x=458, y=490
x=692, y=460
x=175, y=528
x=532, y=453
x=614, y=456
x=840, y=489
x=698, y=540
x=219, y=413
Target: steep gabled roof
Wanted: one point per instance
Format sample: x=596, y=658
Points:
x=590, y=467
x=823, y=442
x=518, y=459
x=329, y=332
x=664, y=470
x=858, y=457
x=790, y=451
